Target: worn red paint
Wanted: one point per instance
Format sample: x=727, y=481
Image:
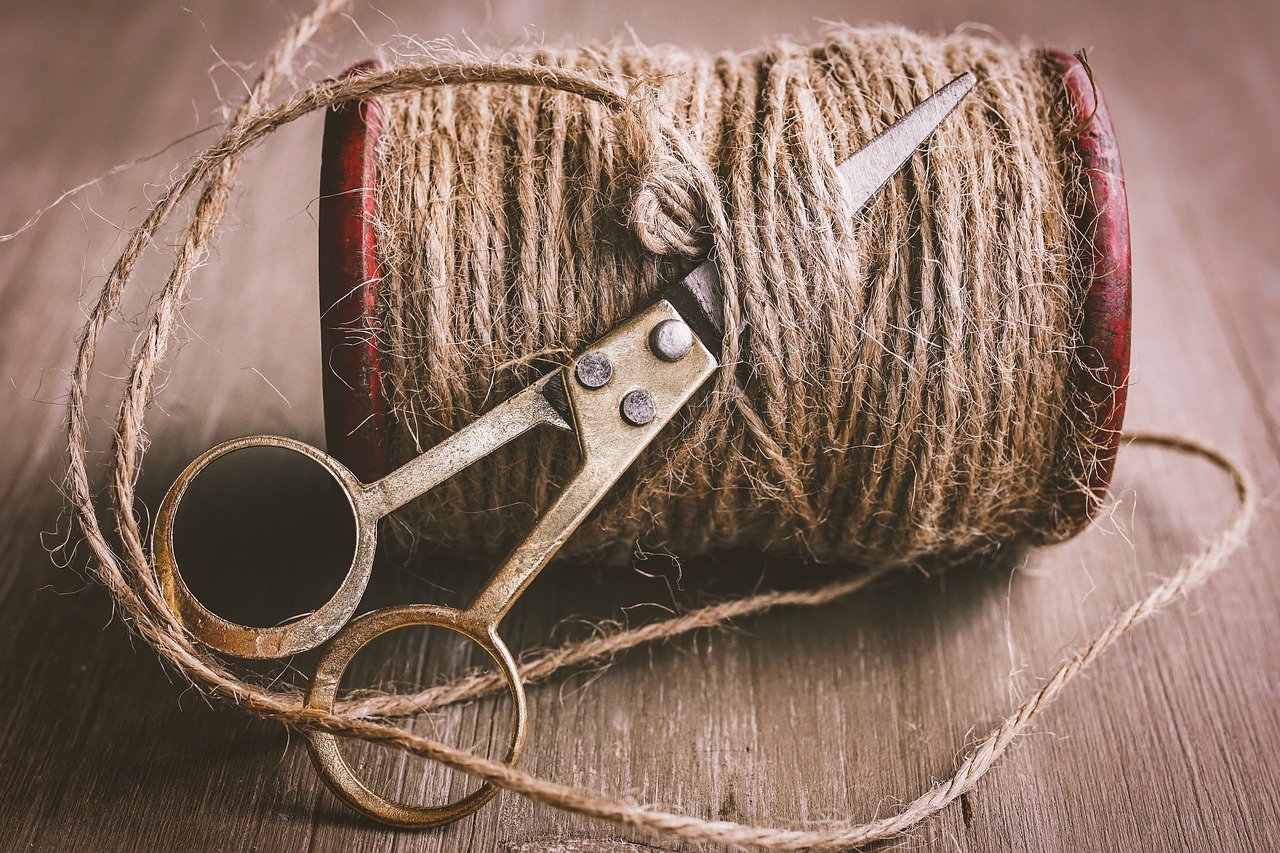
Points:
x=358, y=421
x=1102, y=384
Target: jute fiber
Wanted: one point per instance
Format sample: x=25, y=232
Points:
x=671, y=180
x=899, y=381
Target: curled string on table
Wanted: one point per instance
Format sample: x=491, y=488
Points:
x=678, y=207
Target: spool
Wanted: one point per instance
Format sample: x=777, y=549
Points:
x=350, y=278
x=359, y=422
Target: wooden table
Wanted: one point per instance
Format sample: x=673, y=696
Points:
x=798, y=716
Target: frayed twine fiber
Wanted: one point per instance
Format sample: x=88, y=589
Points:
x=127, y=572
x=898, y=382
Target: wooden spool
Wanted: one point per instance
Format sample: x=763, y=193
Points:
x=359, y=422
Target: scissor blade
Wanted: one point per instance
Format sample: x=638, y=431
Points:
x=700, y=300
x=699, y=297
x=871, y=167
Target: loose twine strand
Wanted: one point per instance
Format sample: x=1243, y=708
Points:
x=129, y=577
x=1193, y=572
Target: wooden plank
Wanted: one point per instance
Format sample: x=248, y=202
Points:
x=795, y=717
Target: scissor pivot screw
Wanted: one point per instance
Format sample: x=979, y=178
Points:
x=593, y=370
x=638, y=408
x=671, y=340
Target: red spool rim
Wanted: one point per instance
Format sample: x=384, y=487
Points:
x=358, y=421
x=1105, y=276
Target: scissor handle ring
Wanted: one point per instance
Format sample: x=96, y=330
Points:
x=321, y=695
x=281, y=640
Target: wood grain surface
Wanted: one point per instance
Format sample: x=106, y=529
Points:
x=793, y=718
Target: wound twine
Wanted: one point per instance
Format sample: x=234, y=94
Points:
x=902, y=384
x=669, y=178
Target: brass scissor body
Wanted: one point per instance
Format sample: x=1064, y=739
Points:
x=615, y=398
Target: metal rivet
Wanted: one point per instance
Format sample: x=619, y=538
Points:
x=638, y=408
x=593, y=370
x=671, y=340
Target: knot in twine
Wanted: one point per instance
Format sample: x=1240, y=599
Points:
x=673, y=192
x=675, y=187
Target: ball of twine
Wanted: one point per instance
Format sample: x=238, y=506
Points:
x=122, y=562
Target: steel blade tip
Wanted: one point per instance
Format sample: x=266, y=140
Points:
x=958, y=88
x=871, y=167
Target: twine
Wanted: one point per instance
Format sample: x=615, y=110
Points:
x=898, y=382
x=127, y=573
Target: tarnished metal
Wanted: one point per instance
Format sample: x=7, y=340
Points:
x=608, y=446
x=628, y=386
x=638, y=408
x=700, y=300
x=323, y=692
x=593, y=370
x=671, y=340
x=369, y=503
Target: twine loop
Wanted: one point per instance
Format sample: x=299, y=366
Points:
x=675, y=207
x=668, y=204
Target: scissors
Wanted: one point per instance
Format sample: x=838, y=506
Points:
x=615, y=397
